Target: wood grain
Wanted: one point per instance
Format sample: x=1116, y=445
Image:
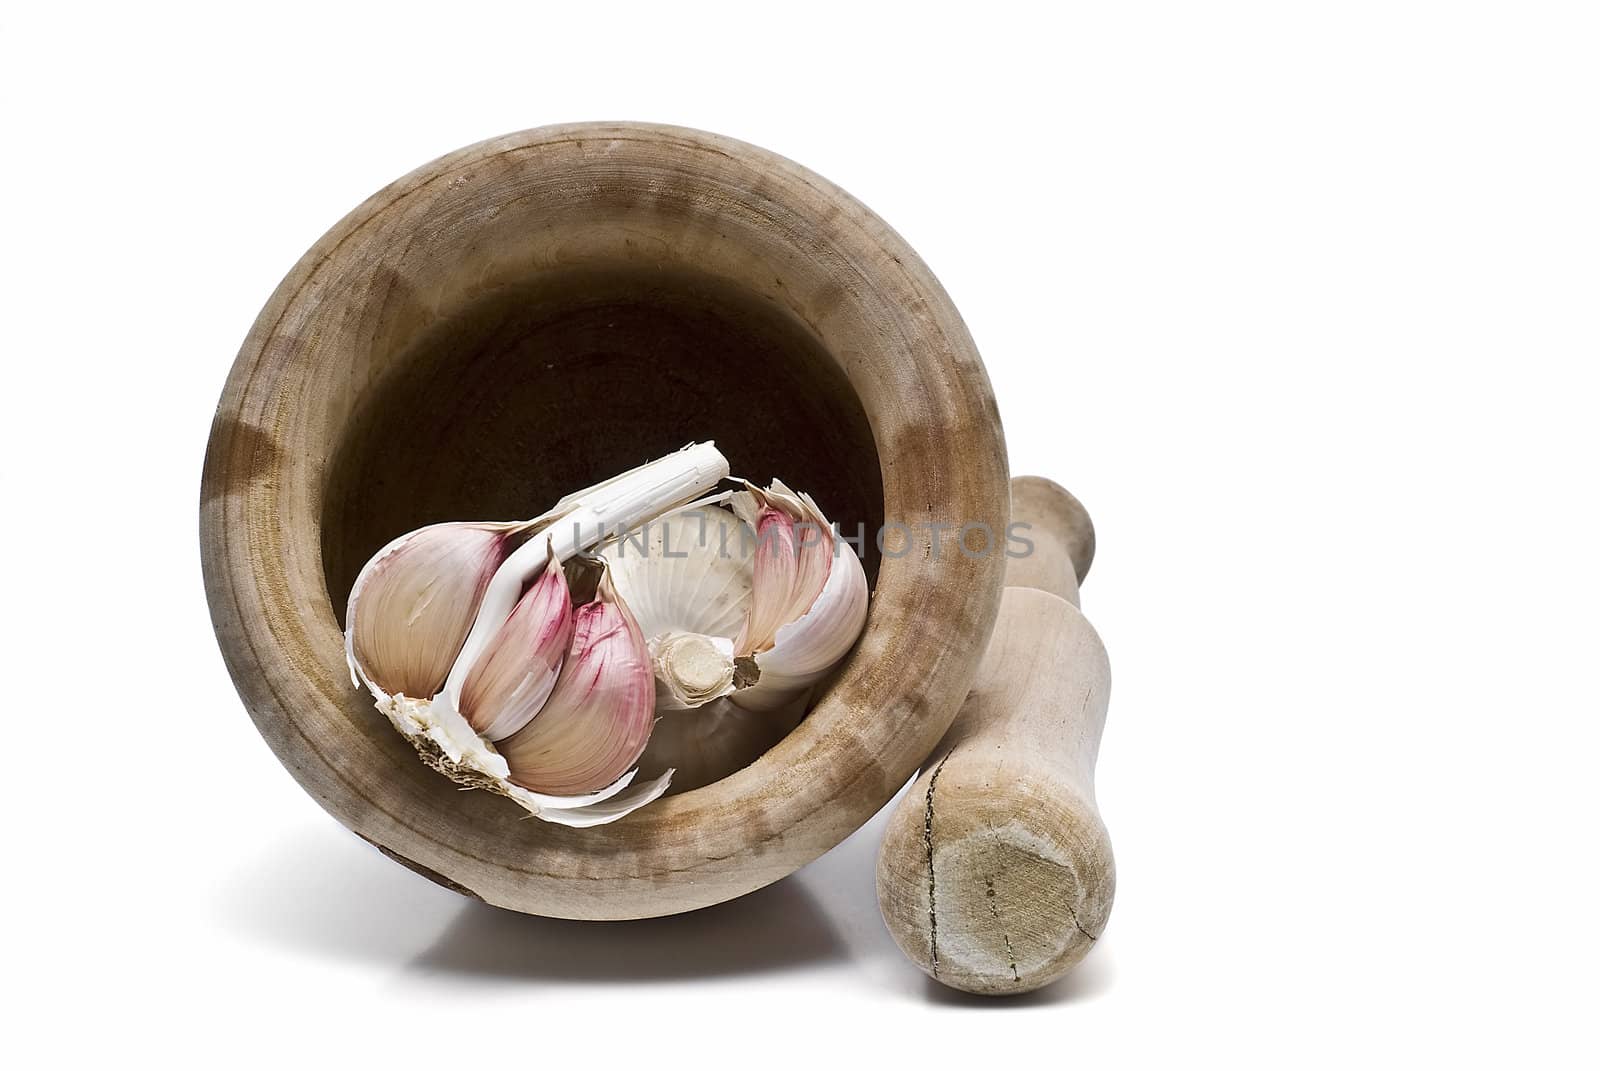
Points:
x=995, y=875
x=533, y=312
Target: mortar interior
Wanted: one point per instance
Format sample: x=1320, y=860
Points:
x=532, y=391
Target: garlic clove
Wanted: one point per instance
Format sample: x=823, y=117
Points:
x=414, y=602
x=792, y=561
x=814, y=547
x=597, y=720
x=806, y=648
x=776, y=562
x=514, y=676
x=822, y=593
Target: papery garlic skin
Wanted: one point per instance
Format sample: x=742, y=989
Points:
x=447, y=743
x=595, y=724
x=414, y=602
x=438, y=724
x=512, y=679
x=612, y=807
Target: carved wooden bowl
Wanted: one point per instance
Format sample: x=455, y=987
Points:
x=523, y=317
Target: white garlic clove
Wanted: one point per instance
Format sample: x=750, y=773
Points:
x=413, y=604
x=513, y=678
x=597, y=720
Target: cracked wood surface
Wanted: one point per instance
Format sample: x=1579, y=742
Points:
x=996, y=874
x=933, y=891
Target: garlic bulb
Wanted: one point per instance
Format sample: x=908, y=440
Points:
x=458, y=618
x=721, y=619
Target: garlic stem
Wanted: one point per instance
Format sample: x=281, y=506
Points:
x=693, y=669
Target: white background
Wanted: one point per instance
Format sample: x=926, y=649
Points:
x=1300, y=299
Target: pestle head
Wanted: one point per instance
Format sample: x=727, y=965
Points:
x=1061, y=533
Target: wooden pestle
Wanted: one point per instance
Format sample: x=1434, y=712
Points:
x=1062, y=535
x=995, y=875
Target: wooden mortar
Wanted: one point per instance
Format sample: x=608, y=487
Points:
x=533, y=313
x=995, y=875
